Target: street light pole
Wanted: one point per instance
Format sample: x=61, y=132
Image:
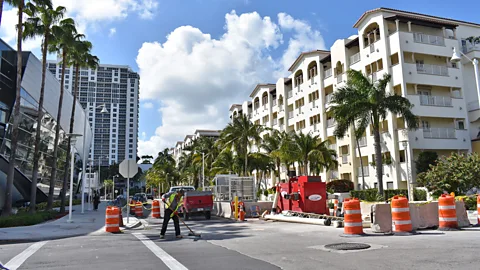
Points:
x=457, y=57
x=73, y=139
x=90, y=186
x=203, y=171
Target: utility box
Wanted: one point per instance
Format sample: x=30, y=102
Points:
x=306, y=194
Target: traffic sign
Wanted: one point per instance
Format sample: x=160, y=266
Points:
x=128, y=168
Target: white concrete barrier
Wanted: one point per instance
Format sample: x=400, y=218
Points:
x=381, y=218
x=223, y=209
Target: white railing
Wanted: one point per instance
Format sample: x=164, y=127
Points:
x=312, y=80
x=355, y=58
x=456, y=94
x=275, y=121
x=274, y=102
x=428, y=39
x=435, y=101
x=264, y=106
x=439, y=133
x=290, y=94
x=316, y=127
x=290, y=115
x=333, y=146
x=339, y=78
x=372, y=48
x=344, y=159
x=468, y=47
x=432, y=69
x=374, y=76
x=300, y=110
x=473, y=105
x=366, y=172
x=331, y=122
x=328, y=98
x=327, y=73
x=362, y=141
x=298, y=88
x=333, y=174
x=282, y=127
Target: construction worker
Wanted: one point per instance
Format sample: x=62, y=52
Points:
x=173, y=201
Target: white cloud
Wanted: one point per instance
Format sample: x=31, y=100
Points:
x=112, y=32
x=148, y=105
x=196, y=77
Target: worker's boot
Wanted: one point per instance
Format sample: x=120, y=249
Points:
x=162, y=236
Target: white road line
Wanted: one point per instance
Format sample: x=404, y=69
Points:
x=160, y=253
x=18, y=260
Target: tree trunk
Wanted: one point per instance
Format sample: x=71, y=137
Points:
x=305, y=166
x=246, y=162
x=57, y=137
x=36, y=154
x=72, y=120
x=361, y=164
x=278, y=171
x=7, y=207
x=378, y=159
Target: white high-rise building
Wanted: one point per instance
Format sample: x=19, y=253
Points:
x=415, y=49
x=116, y=132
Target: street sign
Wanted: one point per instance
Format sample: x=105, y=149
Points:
x=128, y=168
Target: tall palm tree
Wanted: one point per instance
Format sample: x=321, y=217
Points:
x=42, y=18
x=7, y=208
x=368, y=103
x=225, y=163
x=307, y=147
x=272, y=144
x=65, y=35
x=240, y=135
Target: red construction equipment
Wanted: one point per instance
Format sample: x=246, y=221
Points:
x=306, y=194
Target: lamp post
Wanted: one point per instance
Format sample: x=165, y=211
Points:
x=203, y=171
x=457, y=57
x=113, y=187
x=90, y=185
x=409, y=184
x=73, y=140
x=84, y=161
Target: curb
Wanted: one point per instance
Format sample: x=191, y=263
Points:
x=39, y=239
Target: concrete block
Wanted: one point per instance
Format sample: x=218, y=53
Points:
x=381, y=218
x=223, y=209
x=424, y=215
x=462, y=216
x=264, y=205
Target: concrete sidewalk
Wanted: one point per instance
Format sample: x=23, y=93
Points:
x=89, y=223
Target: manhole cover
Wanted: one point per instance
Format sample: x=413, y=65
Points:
x=347, y=246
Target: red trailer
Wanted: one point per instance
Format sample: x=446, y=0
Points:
x=307, y=194
x=197, y=203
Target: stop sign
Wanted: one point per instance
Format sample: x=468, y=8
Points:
x=128, y=168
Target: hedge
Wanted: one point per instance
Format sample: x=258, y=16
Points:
x=371, y=195
x=43, y=206
x=26, y=219
x=341, y=185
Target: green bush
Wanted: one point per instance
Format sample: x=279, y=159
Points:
x=369, y=195
x=389, y=193
x=341, y=185
x=419, y=195
x=330, y=205
x=26, y=219
x=470, y=203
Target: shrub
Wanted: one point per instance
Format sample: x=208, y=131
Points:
x=470, y=203
x=369, y=195
x=419, y=195
x=424, y=160
x=26, y=219
x=341, y=185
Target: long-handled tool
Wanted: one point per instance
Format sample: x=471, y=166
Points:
x=191, y=233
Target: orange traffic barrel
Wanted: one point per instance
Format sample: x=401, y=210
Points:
x=112, y=219
x=335, y=207
x=447, y=213
x=138, y=209
x=156, y=209
x=401, y=221
x=353, y=217
x=478, y=210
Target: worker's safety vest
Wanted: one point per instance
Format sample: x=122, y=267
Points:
x=170, y=201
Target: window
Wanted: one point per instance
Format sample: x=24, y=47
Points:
x=114, y=140
x=130, y=135
x=460, y=124
x=113, y=151
x=131, y=120
x=131, y=125
x=92, y=78
x=130, y=145
x=130, y=140
x=114, y=130
x=114, y=110
x=131, y=110
x=113, y=156
x=132, y=95
x=114, y=115
x=91, y=114
x=389, y=185
x=130, y=151
x=425, y=125
x=130, y=156
x=114, y=125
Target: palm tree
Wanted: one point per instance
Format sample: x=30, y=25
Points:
x=225, y=163
x=35, y=27
x=368, y=103
x=272, y=144
x=307, y=147
x=240, y=135
x=65, y=35
x=7, y=208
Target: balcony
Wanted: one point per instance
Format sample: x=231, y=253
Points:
x=345, y=159
x=333, y=174
x=327, y=73
x=439, y=133
x=264, y=106
x=339, y=78
x=432, y=69
x=274, y=102
x=290, y=94
x=331, y=122
x=469, y=47
x=316, y=127
x=435, y=101
x=282, y=128
x=372, y=48
x=362, y=141
x=366, y=171
x=312, y=80
x=333, y=146
x=290, y=115
x=275, y=121
x=428, y=39
x=299, y=110
x=328, y=98
x=354, y=58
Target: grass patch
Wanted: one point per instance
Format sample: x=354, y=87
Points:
x=26, y=219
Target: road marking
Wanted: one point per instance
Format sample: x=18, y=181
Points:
x=18, y=260
x=160, y=253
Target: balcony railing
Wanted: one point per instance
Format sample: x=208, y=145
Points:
x=290, y=115
x=372, y=48
x=439, y=133
x=344, y=159
x=328, y=73
x=264, y=106
x=339, y=78
x=312, y=80
x=435, y=101
x=473, y=105
x=355, y=58
x=290, y=94
x=365, y=171
x=328, y=98
x=275, y=121
x=300, y=110
x=362, y=141
x=468, y=47
x=274, y=102
x=333, y=174
x=428, y=39
x=333, y=146
x=282, y=127
x=432, y=69
x=298, y=88
x=331, y=122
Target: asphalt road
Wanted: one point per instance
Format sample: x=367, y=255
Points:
x=250, y=245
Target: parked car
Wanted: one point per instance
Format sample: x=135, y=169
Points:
x=141, y=197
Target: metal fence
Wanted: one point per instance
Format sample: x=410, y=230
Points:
x=228, y=186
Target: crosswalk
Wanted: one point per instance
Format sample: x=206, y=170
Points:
x=18, y=260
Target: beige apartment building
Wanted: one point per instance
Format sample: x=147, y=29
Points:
x=416, y=50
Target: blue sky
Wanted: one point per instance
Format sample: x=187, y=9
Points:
x=189, y=80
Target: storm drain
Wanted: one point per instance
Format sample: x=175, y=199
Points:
x=347, y=246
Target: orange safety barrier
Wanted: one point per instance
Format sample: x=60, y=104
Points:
x=401, y=220
x=112, y=215
x=478, y=210
x=138, y=209
x=156, y=209
x=241, y=212
x=353, y=217
x=335, y=207
x=447, y=213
